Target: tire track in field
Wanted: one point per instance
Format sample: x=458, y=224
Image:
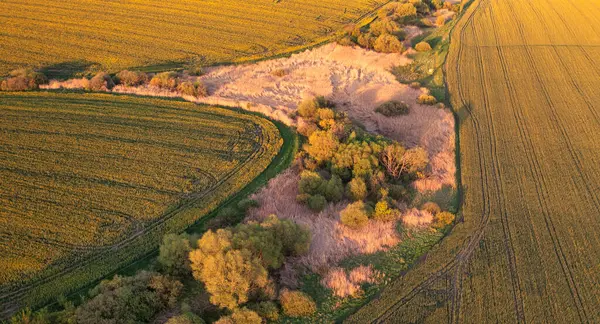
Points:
x=567, y=271
x=10, y=297
x=468, y=248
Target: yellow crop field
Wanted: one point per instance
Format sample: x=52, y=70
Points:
x=523, y=78
x=91, y=182
x=75, y=36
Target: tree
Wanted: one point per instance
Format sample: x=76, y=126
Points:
x=228, y=274
x=387, y=43
x=129, y=299
x=442, y=219
x=383, y=212
x=173, y=255
x=101, y=81
x=423, y=47
x=297, y=303
x=317, y=203
x=355, y=215
x=186, y=318
x=241, y=316
x=308, y=108
x=415, y=160
x=268, y=310
x=322, y=145
x=334, y=189
x=311, y=183
x=357, y=189
x=398, y=161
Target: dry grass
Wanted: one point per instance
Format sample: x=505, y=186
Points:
x=331, y=241
x=346, y=284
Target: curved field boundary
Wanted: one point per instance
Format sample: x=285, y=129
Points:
x=522, y=77
x=99, y=261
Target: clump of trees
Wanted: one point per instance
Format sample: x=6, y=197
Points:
x=235, y=263
x=393, y=108
x=23, y=79
x=341, y=161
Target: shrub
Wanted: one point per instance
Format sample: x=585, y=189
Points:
x=397, y=192
x=322, y=145
x=307, y=128
x=165, y=80
x=297, y=304
x=415, y=85
x=345, y=41
x=241, y=316
x=393, y=108
x=311, y=183
x=405, y=12
x=427, y=100
x=334, y=189
x=366, y=40
x=383, y=212
x=308, y=108
x=23, y=79
x=440, y=21
x=387, y=43
x=356, y=189
x=355, y=215
x=431, y=207
x=279, y=72
x=317, y=202
x=385, y=26
x=268, y=310
x=101, y=82
x=196, y=89
x=423, y=47
x=186, y=318
x=443, y=219
x=131, y=78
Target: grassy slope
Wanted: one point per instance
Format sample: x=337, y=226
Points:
x=522, y=76
x=67, y=37
x=187, y=210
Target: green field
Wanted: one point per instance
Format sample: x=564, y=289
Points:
x=523, y=78
x=92, y=181
x=65, y=36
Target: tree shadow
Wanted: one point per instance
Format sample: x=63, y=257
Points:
x=68, y=70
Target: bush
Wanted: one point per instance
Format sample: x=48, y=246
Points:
x=427, y=100
x=431, y=207
x=311, y=183
x=308, y=108
x=268, y=310
x=440, y=21
x=173, y=255
x=196, y=89
x=393, y=108
x=387, y=43
x=334, y=189
x=405, y=12
x=241, y=316
x=366, y=40
x=415, y=85
x=397, y=192
x=297, y=304
x=355, y=215
x=23, y=79
x=307, y=128
x=165, y=80
x=345, y=41
x=279, y=72
x=186, y=318
x=101, y=82
x=385, y=26
x=317, y=203
x=131, y=78
x=384, y=213
x=443, y=219
x=356, y=189
x=423, y=47
x=322, y=145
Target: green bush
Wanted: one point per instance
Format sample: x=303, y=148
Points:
x=355, y=215
x=247, y=203
x=356, y=189
x=317, y=203
x=297, y=303
x=393, y=108
x=173, y=255
x=267, y=310
x=131, y=78
x=334, y=189
x=387, y=43
x=427, y=100
x=423, y=47
x=311, y=183
x=101, y=82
